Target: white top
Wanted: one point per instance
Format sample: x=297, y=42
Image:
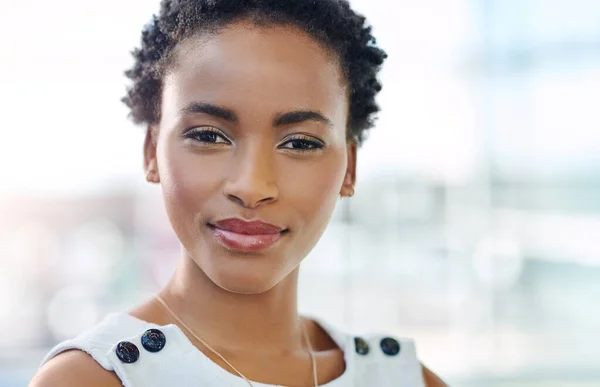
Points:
x=180, y=363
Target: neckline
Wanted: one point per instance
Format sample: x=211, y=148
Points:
x=340, y=338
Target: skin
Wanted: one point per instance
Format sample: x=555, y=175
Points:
x=251, y=169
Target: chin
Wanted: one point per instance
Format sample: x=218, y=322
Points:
x=249, y=288
x=244, y=275
x=243, y=283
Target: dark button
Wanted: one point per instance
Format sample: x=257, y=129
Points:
x=153, y=340
x=390, y=347
x=127, y=352
x=362, y=347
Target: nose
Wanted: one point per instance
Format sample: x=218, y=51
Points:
x=252, y=180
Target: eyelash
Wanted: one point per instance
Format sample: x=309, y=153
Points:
x=195, y=133
x=308, y=143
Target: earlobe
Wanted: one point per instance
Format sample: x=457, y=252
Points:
x=152, y=177
x=150, y=164
x=350, y=176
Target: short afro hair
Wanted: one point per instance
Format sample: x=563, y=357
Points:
x=331, y=22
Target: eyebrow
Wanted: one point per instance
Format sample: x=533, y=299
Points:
x=289, y=118
x=299, y=116
x=212, y=110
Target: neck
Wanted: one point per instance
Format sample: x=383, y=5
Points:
x=235, y=322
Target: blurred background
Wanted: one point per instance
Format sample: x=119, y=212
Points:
x=475, y=227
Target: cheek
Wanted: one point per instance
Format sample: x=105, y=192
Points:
x=188, y=181
x=315, y=188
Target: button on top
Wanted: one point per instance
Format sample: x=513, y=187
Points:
x=390, y=347
x=362, y=347
x=153, y=340
x=127, y=352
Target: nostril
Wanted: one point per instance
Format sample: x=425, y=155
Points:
x=236, y=199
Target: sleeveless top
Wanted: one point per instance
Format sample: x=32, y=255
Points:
x=143, y=354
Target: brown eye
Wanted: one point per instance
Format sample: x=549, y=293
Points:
x=302, y=144
x=207, y=136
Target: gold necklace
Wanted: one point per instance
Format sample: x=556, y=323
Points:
x=304, y=334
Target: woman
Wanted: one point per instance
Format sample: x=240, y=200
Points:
x=254, y=110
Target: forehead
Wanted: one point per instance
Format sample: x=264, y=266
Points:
x=255, y=68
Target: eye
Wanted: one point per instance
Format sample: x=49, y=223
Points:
x=207, y=135
x=302, y=144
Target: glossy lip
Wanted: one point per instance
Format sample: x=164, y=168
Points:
x=239, y=234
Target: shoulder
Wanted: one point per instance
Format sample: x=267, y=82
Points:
x=431, y=379
x=74, y=368
x=87, y=358
x=380, y=357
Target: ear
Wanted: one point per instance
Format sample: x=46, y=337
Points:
x=350, y=176
x=150, y=164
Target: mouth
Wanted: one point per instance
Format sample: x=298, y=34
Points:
x=241, y=235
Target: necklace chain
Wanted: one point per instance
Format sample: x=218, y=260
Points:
x=304, y=334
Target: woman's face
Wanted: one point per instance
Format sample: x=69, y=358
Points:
x=253, y=129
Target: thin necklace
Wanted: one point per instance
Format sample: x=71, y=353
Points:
x=304, y=334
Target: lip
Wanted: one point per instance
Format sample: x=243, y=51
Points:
x=238, y=234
